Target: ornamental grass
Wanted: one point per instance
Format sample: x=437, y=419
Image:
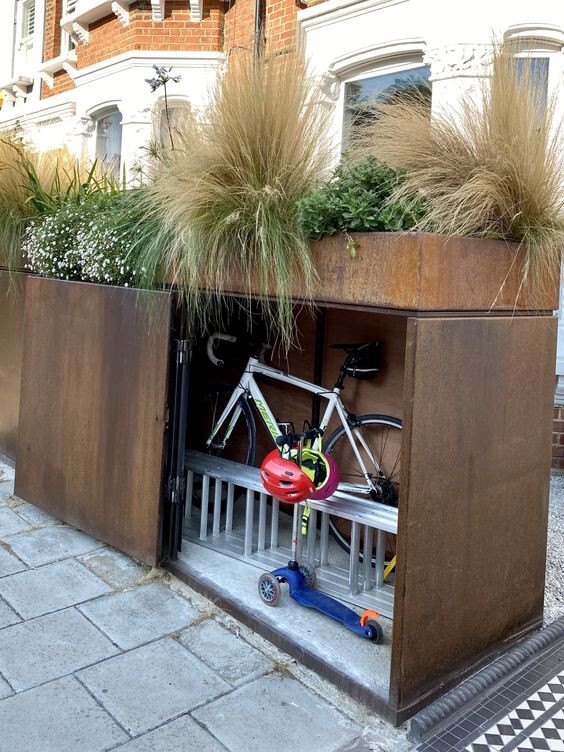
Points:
x=491, y=168
x=34, y=183
x=220, y=207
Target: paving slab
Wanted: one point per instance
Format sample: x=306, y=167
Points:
x=36, y=651
x=11, y=523
x=230, y=656
x=7, y=615
x=364, y=662
x=5, y=689
x=34, y=515
x=140, y=615
x=6, y=494
x=115, y=568
x=48, y=544
x=7, y=473
x=51, y=588
x=9, y=564
x=276, y=712
x=152, y=684
x=182, y=735
x=58, y=717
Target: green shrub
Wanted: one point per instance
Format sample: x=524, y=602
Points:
x=358, y=199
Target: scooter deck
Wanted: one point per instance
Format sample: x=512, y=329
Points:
x=327, y=605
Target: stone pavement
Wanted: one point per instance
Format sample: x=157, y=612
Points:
x=100, y=653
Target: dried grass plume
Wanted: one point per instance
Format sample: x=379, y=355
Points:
x=221, y=205
x=491, y=168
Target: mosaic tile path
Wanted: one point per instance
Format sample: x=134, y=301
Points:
x=525, y=713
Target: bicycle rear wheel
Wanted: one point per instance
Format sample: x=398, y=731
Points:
x=379, y=442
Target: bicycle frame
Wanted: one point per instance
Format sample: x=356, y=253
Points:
x=248, y=386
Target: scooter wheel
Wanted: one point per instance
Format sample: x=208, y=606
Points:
x=377, y=631
x=269, y=589
x=308, y=573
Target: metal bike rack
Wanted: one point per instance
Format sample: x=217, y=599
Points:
x=236, y=517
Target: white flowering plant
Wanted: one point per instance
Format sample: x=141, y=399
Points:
x=90, y=240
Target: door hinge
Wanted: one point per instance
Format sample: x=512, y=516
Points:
x=183, y=348
x=177, y=489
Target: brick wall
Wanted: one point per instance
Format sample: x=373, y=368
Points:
x=280, y=27
x=108, y=37
x=52, y=38
x=558, y=438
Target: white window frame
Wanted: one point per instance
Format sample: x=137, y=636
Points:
x=68, y=40
x=23, y=58
x=98, y=114
x=370, y=69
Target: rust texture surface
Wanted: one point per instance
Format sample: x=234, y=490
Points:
x=92, y=414
x=474, y=494
x=12, y=295
x=423, y=272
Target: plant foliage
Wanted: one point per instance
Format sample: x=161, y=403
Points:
x=89, y=240
x=34, y=183
x=358, y=198
x=221, y=206
x=492, y=168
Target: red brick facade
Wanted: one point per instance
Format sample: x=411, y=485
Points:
x=225, y=26
x=558, y=439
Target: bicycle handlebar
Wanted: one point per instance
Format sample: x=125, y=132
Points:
x=213, y=338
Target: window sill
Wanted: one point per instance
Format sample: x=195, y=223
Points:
x=66, y=62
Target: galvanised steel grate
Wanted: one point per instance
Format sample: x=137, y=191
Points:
x=228, y=510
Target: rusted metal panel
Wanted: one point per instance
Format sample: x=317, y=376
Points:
x=474, y=495
x=423, y=272
x=94, y=385
x=12, y=295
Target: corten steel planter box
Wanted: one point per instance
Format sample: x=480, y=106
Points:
x=470, y=372
x=422, y=272
x=12, y=294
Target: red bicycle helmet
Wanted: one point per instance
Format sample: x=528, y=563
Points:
x=284, y=480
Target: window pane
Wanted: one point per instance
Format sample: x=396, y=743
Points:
x=360, y=94
x=177, y=111
x=108, y=141
x=28, y=19
x=538, y=67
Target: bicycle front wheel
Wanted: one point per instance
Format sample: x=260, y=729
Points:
x=241, y=444
x=378, y=439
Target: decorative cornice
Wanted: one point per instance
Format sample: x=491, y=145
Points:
x=81, y=31
x=48, y=111
x=196, y=10
x=326, y=13
x=158, y=8
x=392, y=50
x=459, y=60
x=121, y=10
x=84, y=126
x=539, y=36
x=144, y=58
x=66, y=62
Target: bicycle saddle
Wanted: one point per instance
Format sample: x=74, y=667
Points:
x=353, y=347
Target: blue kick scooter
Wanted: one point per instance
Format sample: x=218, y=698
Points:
x=301, y=579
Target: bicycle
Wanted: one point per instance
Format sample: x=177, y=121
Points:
x=367, y=448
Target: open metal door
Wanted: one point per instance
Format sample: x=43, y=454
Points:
x=175, y=491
